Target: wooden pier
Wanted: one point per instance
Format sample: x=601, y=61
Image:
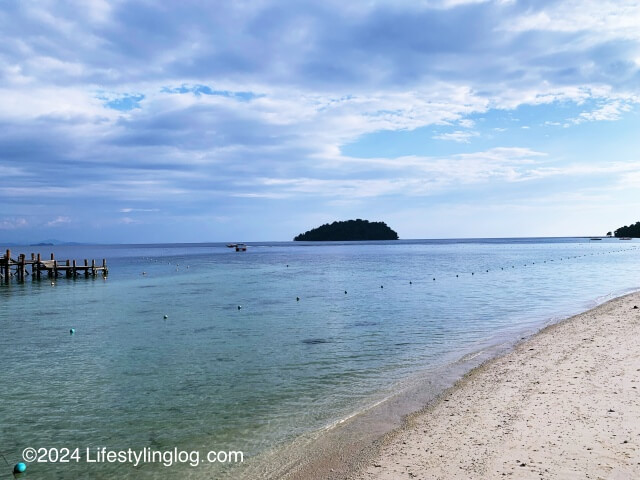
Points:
x=19, y=267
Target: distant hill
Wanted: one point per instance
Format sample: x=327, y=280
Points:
x=630, y=231
x=43, y=243
x=350, y=230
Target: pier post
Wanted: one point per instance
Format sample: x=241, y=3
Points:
x=21, y=267
x=93, y=267
x=7, y=270
x=55, y=267
x=38, y=266
x=68, y=270
x=104, y=267
x=73, y=271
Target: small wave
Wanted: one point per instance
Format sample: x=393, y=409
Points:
x=365, y=323
x=205, y=329
x=315, y=341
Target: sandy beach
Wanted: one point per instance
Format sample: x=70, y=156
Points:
x=563, y=404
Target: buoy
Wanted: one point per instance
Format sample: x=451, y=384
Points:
x=434, y=279
x=345, y=292
x=72, y=331
x=456, y=275
x=239, y=307
x=19, y=468
x=472, y=273
x=381, y=286
x=166, y=316
x=297, y=299
x=410, y=282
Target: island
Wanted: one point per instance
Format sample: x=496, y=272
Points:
x=350, y=230
x=629, y=231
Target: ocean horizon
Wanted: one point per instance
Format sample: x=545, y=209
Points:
x=196, y=347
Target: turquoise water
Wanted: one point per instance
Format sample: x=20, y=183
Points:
x=215, y=377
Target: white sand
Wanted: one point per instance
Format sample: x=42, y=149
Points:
x=564, y=404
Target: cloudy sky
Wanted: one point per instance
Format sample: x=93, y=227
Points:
x=149, y=121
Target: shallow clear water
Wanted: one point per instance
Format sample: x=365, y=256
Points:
x=215, y=377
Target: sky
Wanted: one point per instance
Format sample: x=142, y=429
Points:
x=197, y=121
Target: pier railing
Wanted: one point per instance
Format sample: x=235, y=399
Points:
x=19, y=267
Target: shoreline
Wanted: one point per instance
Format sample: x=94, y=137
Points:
x=344, y=448
x=335, y=451
x=562, y=403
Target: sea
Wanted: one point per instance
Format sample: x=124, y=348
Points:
x=287, y=352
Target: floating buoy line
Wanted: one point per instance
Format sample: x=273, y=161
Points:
x=483, y=270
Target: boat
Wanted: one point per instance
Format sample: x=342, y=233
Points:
x=626, y=238
x=240, y=247
x=595, y=239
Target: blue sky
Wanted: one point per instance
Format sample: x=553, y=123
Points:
x=137, y=121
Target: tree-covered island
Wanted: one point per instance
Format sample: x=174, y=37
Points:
x=350, y=230
x=630, y=231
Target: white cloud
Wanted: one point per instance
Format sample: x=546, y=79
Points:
x=32, y=103
x=129, y=210
x=608, y=112
x=12, y=172
x=623, y=170
x=58, y=221
x=457, y=136
x=630, y=178
x=408, y=176
x=612, y=18
x=13, y=223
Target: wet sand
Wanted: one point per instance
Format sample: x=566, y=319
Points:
x=563, y=404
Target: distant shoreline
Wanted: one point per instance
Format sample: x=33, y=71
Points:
x=302, y=243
